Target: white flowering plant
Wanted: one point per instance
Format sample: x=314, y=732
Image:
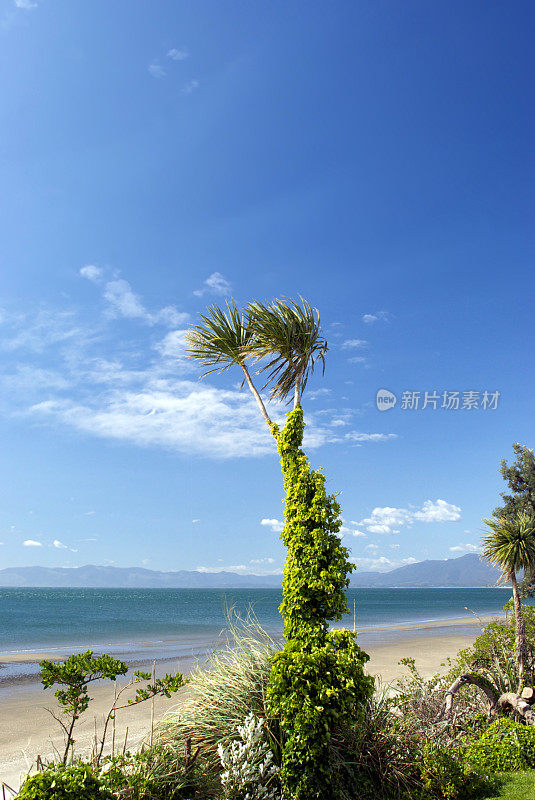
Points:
x=249, y=769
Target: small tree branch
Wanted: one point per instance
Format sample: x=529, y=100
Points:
x=468, y=678
x=256, y=395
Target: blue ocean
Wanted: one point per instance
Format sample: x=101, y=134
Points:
x=180, y=621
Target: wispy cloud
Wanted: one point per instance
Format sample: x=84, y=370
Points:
x=466, y=547
x=173, y=344
x=244, y=569
x=31, y=543
x=60, y=370
x=60, y=546
x=377, y=316
x=156, y=70
x=381, y=563
x=355, y=436
x=91, y=272
x=190, y=86
x=27, y=4
x=124, y=302
x=216, y=283
x=351, y=344
x=178, y=54
x=345, y=530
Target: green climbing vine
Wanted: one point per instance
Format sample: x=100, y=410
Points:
x=317, y=679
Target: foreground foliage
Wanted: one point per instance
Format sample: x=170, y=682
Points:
x=505, y=746
x=75, y=782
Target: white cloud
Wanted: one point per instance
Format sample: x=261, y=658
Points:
x=178, y=54
x=31, y=543
x=231, y=568
x=243, y=569
x=355, y=436
x=275, y=524
x=381, y=563
x=195, y=521
x=387, y=519
x=190, y=87
x=262, y=561
x=42, y=329
x=318, y=393
x=124, y=302
x=59, y=545
x=346, y=531
x=109, y=386
x=173, y=344
x=354, y=344
x=466, y=548
x=27, y=4
x=168, y=315
x=156, y=70
x=438, y=511
x=215, y=283
x=357, y=360
x=383, y=316
x=120, y=296
x=91, y=272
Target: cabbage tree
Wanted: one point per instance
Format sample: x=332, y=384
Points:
x=510, y=545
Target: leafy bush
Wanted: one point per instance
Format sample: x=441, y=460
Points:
x=506, y=746
x=248, y=763
x=59, y=782
x=159, y=773
x=450, y=775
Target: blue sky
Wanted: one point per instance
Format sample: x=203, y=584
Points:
x=374, y=157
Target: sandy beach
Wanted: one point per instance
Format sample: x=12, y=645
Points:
x=29, y=730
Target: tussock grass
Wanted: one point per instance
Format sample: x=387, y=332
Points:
x=220, y=695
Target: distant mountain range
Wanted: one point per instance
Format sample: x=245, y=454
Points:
x=465, y=571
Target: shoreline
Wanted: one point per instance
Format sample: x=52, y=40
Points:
x=34, y=656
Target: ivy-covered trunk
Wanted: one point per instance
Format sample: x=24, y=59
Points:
x=317, y=680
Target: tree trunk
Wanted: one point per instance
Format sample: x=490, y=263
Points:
x=297, y=389
x=256, y=396
x=520, y=633
x=518, y=703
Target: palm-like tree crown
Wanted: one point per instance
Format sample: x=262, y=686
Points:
x=510, y=543
x=222, y=338
x=288, y=334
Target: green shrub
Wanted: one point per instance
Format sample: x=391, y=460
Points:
x=450, y=775
x=58, y=782
x=506, y=746
x=155, y=773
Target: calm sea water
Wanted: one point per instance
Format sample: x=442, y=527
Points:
x=121, y=620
